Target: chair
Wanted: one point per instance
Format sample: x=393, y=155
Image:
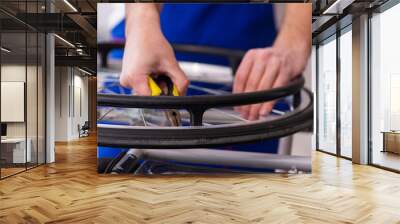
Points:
x=84, y=130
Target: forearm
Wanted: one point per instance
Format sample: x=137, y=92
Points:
x=141, y=17
x=295, y=31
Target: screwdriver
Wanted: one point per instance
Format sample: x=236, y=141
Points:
x=162, y=85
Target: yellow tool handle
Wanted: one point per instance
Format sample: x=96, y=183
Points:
x=156, y=90
x=175, y=91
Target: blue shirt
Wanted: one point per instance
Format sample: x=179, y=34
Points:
x=231, y=26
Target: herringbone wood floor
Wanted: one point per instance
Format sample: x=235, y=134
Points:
x=70, y=191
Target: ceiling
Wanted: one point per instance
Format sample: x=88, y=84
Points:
x=74, y=22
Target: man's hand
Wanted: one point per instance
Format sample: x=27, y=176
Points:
x=262, y=69
x=275, y=66
x=147, y=51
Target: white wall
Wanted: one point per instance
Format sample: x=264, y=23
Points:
x=62, y=80
x=14, y=73
x=80, y=111
x=71, y=94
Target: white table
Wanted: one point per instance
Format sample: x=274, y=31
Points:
x=19, y=153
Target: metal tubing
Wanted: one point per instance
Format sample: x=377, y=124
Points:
x=250, y=160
